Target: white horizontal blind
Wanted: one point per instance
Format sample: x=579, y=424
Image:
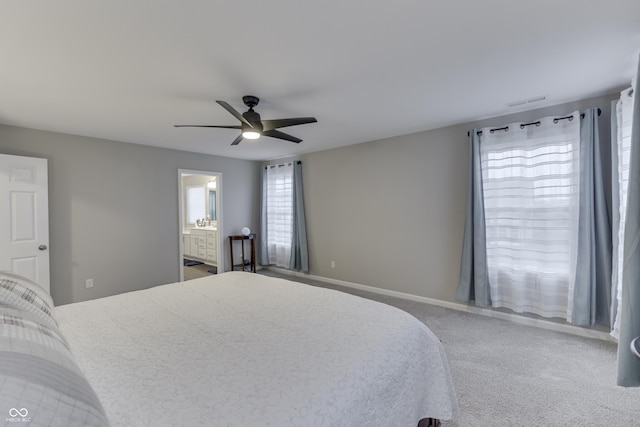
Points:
x=530, y=187
x=195, y=204
x=624, y=114
x=279, y=213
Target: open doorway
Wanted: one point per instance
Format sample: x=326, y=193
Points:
x=200, y=223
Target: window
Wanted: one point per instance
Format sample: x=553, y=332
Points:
x=530, y=182
x=279, y=213
x=195, y=204
x=624, y=115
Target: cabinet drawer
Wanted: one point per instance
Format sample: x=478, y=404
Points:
x=212, y=235
x=211, y=255
x=202, y=253
x=211, y=244
x=186, y=243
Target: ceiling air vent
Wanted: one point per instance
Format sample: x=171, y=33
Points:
x=526, y=101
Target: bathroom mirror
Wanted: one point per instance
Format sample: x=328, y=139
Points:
x=212, y=205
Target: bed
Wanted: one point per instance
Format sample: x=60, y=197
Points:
x=241, y=349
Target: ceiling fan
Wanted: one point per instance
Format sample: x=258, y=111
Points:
x=253, y=127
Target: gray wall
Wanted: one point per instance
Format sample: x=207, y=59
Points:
x=391, y=213
x=113, y=209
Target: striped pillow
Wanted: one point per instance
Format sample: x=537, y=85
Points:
x=40, y=382
x=23, y=294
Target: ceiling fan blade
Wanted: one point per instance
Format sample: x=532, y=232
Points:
x=281, y=123
x=234, y=112
x=237, y=140
x=281, y=135
x=207, y=126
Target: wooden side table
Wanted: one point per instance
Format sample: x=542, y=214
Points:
x=252, y=263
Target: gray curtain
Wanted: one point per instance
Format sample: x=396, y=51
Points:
x=474, y=281
x=592, y=292
x=264, y=257
x=628, y=364
x=615, y=212
x=299, y=250
x=592, y=297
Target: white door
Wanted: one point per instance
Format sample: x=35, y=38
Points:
x=24, y=217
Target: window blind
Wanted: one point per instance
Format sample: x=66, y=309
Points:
x=279, y=212
x=195, y=204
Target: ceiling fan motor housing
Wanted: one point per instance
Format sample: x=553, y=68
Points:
x=250, y=100
x=253, y=118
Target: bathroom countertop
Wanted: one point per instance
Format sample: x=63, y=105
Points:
x=188, y=230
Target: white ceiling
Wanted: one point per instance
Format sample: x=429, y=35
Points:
x=128, y=70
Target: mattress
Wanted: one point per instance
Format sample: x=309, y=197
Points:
x=241, y=349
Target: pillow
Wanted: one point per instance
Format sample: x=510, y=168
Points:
x=24, y=294
x=40, y=382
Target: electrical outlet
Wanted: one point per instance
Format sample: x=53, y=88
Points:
x=89, y=283
x=333, y=264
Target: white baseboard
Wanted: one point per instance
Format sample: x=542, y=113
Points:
x=539, y=323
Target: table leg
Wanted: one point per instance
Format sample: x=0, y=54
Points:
x=231, y=252
x=242, y=243
x=253, y=254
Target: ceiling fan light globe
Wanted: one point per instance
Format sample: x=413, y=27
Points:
x=250, y=134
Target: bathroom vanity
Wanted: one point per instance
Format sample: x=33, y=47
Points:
x=201, y=243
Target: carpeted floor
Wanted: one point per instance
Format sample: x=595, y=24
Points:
x=507, y=374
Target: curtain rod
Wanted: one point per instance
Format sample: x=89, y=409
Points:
x=298, y=162
x=536, y=123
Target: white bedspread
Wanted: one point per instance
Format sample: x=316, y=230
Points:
x=242, y=349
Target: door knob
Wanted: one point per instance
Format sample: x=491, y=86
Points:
x=42, y=247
